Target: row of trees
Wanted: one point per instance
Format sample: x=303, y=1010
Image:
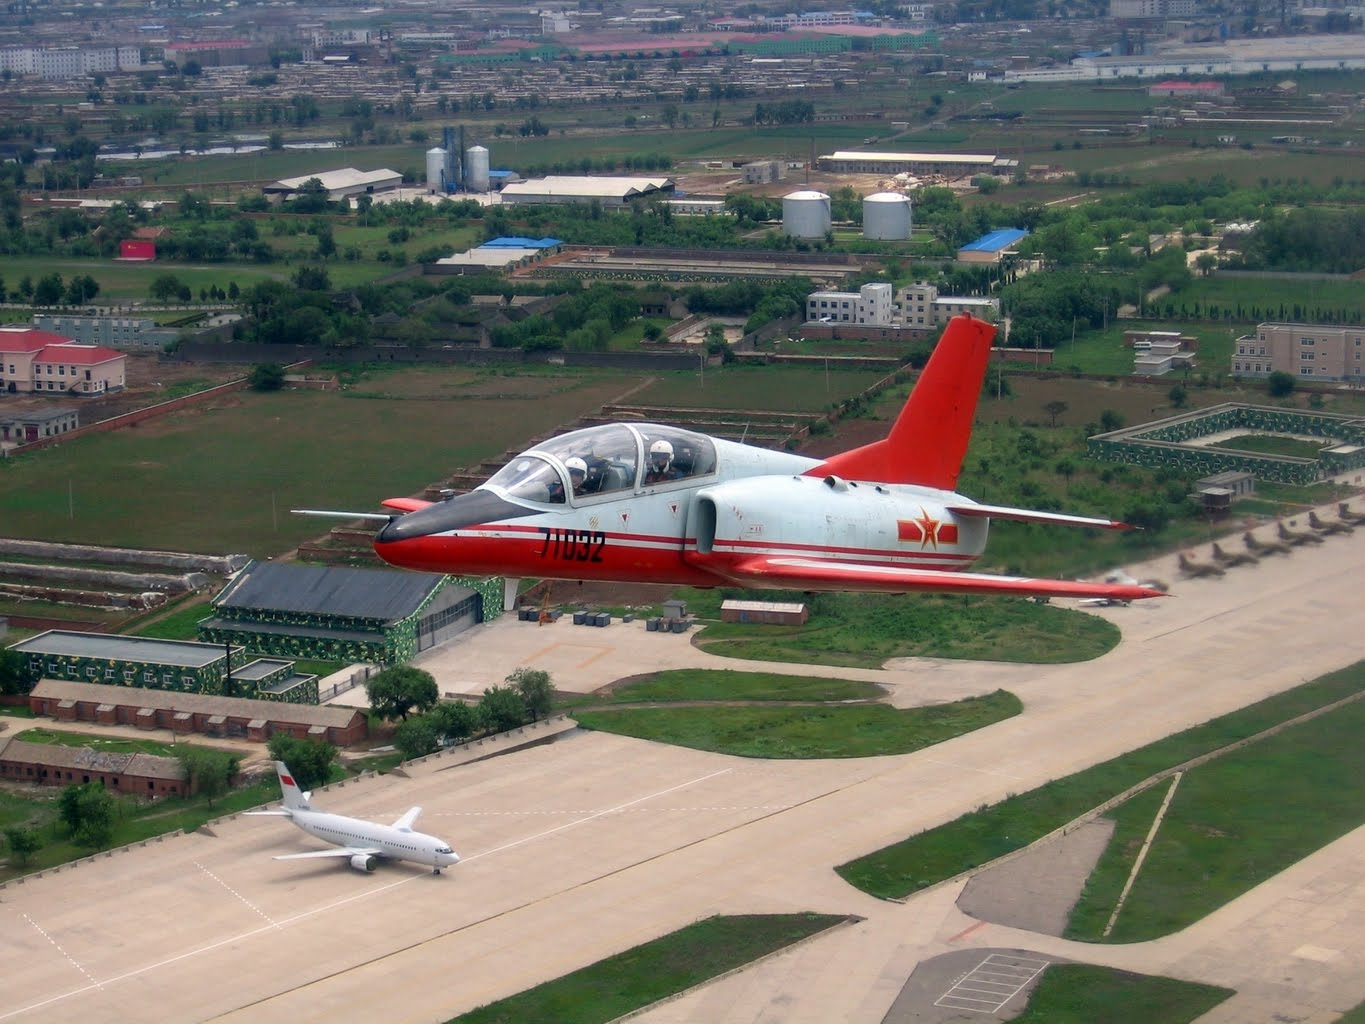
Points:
x=427, y=722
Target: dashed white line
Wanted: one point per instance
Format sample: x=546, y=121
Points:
x=988, y=986
x=58, y=947
x=234, y=892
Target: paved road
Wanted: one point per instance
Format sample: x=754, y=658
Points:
x=581, y=848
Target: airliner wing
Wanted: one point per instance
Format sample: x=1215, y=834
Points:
x=405, y=823
x=811, y=573
x=340, y=851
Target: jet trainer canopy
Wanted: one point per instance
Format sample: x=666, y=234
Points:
x=615, y=455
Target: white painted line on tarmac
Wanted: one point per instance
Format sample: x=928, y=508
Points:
x=243, y=899
x=304, y=915
x=988, y=986
x=598, y=814
x=57, y=946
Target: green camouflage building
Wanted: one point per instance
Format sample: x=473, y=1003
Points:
x=336, y=613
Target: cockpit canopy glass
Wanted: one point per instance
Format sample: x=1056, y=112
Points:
x=617, y=456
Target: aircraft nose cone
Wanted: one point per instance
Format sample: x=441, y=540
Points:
x=463, y=510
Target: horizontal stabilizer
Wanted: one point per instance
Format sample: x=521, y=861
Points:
x=342, y=851
x=379, y=517
x=405, y=504
x=1028, y=515
x=817, y=574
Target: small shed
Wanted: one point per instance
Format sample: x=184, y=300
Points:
x=772, y=613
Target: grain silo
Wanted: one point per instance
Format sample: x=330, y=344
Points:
x=476, y=169
x=436, y=169
x=886, y=215
x=805, y=214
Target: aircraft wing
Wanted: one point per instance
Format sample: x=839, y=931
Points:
x=1028, y=515
x=409, y=819
x=340, y=851
x=811, y=573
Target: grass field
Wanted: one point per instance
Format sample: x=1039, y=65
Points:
x=1233, y=823
x=864, y=630
x=222, y=477
x=1085, y=994
x=736, y=386
x=615, y=987
x=805, y=731
x=1276, y=299
x=1266, y=444
x=727, y=685
x=983, y=835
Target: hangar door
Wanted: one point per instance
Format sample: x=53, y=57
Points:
x=444, y=621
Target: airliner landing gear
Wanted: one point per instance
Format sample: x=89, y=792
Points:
x=435, y=871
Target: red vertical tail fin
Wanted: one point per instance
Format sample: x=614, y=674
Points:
x=930, y=436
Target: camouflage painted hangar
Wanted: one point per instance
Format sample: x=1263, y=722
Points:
x=1185, y=443
x=176, y=665
x=330, y=613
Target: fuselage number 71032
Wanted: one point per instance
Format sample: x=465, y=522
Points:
x=572, y=545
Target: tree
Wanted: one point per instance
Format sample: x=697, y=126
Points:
x=23, y=844
x=314, y=279
x=1178, y=396
x=16, y=674
x=88, y=813
x=266, y=377
x=49, y=290
x=536, y=691
x=416, y=737
x=501, y=709
x=454, y=720
x=310, y=761
x=1110, y=420
x=165, y=287
x=207, y=772
x=397, y=691
x=1280, y=384
x=1054, y=409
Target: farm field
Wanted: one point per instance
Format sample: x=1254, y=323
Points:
x=222, y=477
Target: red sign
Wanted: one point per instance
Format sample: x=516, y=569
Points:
x=137, y=249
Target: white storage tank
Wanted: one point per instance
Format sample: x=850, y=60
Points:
x=805, y=214
x=886, y=215
x=436, y=169
x=476, y=169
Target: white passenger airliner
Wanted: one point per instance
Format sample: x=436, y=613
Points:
x=364, y=842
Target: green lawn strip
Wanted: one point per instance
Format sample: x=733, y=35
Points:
x=1233, y=823
x=806, y=731
x=653, y=971
x=726, y=684
x=863, y=630
x=981, y=836
x=1084, y=994
x=1355, y=1016
x=181, y=624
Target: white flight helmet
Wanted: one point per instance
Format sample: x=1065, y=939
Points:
x=661, y=453
x=576, y=465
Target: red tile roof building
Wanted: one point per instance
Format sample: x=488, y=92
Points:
x=36, y=362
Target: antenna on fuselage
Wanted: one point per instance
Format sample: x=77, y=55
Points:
x=744, y=436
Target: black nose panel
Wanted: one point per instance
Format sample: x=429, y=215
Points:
x=455, y=513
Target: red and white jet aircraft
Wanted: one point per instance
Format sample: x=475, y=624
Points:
x=642, y=502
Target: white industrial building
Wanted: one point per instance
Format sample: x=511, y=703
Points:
x=872, y=304
x=69, y=61
x=609, y=191
x=341, y=183
x=953, y=165
x=920, y=305
x=1230, y=57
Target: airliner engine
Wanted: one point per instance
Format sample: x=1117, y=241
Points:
x=364, y=862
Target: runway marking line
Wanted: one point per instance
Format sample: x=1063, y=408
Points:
x=58, y=947
x=303, y=915
x=992, y=983
x=234, y=892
